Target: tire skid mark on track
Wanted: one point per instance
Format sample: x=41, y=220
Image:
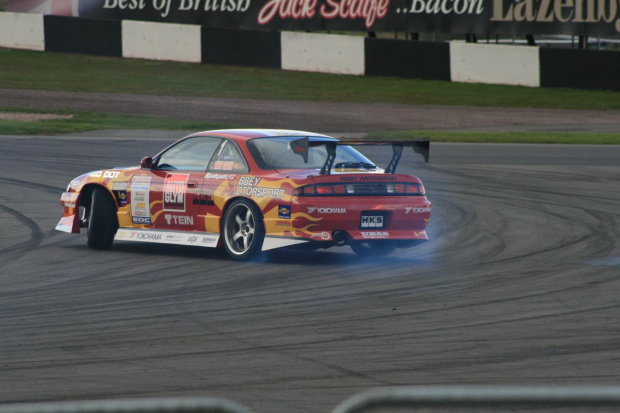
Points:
x=31, y=184
x=18, y=250
x=300, y=332
x=512, y=195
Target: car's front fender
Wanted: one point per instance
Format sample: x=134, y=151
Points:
x=70, y=221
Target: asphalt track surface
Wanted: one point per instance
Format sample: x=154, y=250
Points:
x=518, y=285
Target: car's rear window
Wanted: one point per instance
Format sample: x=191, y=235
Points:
x=276, y=153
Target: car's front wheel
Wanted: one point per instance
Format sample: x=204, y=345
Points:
x=370, y=249
x=243, y=229
x=102, y=220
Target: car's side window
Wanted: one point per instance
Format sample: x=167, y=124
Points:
x=228, y=158
x=192, y=154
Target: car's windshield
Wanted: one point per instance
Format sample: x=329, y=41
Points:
x=276, y=153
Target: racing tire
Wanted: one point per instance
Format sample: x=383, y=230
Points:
x=102, y=221
x=373, y=249
x=243, y=230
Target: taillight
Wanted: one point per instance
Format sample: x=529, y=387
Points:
x=361, y=189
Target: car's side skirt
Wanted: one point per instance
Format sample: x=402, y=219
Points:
x=198, y=239
x=272, y=242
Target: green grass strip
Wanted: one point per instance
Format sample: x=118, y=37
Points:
x=504, y=137
x=23, y=69
x=88, y=121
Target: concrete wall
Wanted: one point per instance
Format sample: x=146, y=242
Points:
x=22, y=31
x=313, y=52
x=495, y=64
x=161, y=41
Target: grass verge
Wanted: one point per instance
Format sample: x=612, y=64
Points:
x=505, y=137
x=22, y=69
x=88, y=121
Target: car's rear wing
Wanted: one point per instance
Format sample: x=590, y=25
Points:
x=300, y=147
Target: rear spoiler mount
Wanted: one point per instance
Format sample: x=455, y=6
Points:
x=300, y=147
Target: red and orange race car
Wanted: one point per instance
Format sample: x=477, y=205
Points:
x=254, y=190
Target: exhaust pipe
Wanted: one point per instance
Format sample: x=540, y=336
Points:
x=339, y=237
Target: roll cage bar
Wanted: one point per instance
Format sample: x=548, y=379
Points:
x=300, y=147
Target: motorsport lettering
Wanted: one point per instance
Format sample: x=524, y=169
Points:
x=248, y=186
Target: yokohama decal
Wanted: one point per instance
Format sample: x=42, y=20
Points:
x=174, y=192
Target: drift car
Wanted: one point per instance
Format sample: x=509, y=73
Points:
x=254, y=190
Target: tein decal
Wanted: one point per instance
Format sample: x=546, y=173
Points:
x=179, y=219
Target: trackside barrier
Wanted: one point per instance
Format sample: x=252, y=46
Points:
x=511, y=398
x=157, y=405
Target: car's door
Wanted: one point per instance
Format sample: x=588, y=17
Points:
x=175, y=185
x=221, y=182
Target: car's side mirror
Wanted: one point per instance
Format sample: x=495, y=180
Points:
x=146, y=163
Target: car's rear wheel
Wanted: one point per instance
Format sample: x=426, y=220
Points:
x=243, y=229
x=377, y=248
x=102, y=220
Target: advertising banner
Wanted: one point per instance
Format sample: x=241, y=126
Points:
x=482, y=17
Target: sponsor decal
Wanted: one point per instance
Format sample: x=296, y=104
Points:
x=372, y=221
x=368, y=10
x=209, y=240
x=105, y=174
x=219, y=176
x=173, y=237
x=248, y=186
x=146, y=236
x=179, y=219
x=175, y=186
x=69, y=204
x=140, y=179
x=445, y=7
x=168, y=237
x=202, y=199
x=119, y=186
x=322, y=235
x=284, y=211
x=122, y=197
x=283, y=223
x=141, y=220
x=375, y=234
x=552, y=11
x=312, y=210
x=368, y=178
x=226, y=165
x=417, y=210
x=140, y=210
